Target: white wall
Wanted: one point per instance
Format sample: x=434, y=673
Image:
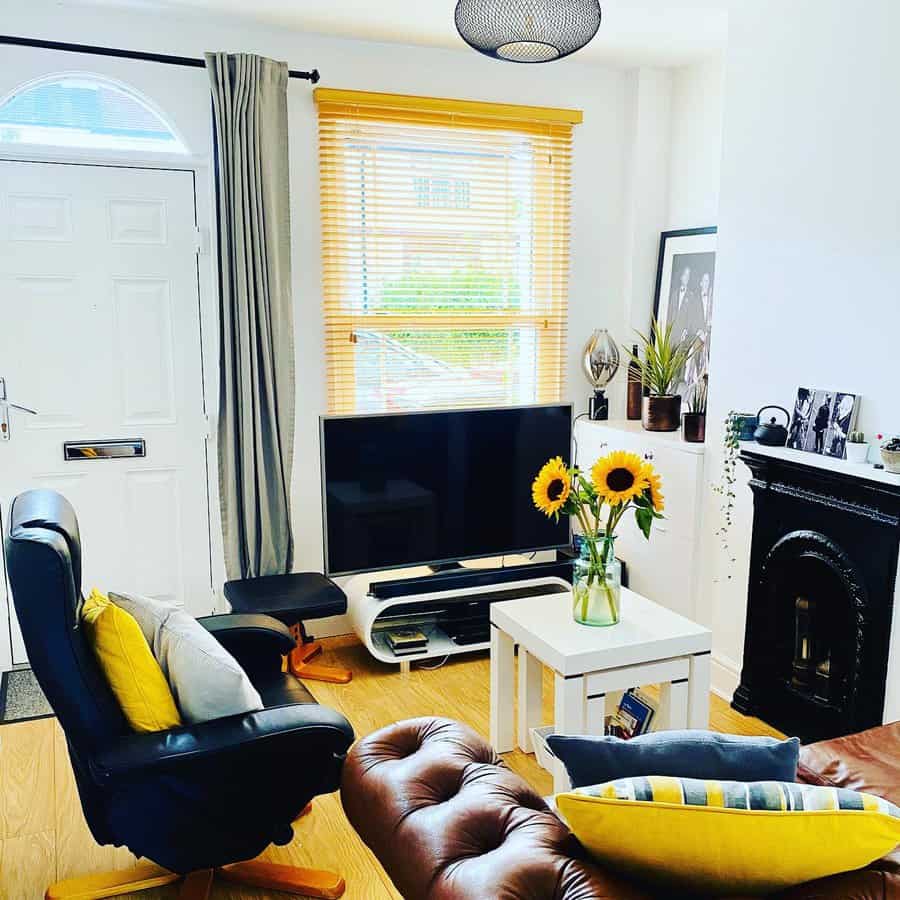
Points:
x=809, y=240
x=695, y=157
x=647, y=189
x=600, y=151
x=673, y=134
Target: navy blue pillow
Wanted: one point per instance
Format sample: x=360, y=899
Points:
x=679, y=754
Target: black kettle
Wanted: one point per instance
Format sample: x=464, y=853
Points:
x=770, y=433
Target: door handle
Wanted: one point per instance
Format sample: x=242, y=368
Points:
x=5, y=406
x=24, y=409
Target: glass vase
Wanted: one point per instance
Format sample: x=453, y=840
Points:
x=597, y=582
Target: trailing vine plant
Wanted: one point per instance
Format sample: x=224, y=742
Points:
x=731, y=443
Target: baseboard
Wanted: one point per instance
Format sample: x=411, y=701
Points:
x=725, y=676
x=329, y=627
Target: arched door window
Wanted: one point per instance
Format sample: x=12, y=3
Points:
x=85, y=112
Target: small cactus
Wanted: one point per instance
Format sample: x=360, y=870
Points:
x=856, y=437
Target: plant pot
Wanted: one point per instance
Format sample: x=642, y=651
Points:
x=891, y=460
x=693, y=427
x=746, y=424
x=857, y=453
x=661, y=413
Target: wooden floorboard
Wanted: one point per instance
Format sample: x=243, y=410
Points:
x=43, y=835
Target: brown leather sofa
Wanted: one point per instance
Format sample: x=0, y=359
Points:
x=447, y=819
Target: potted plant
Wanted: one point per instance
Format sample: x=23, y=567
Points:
x=618, y=482
x=857, y=447
x=693, y=425
x=663, y=363
x=890, y=455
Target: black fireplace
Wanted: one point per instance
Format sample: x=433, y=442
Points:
x=820, y=600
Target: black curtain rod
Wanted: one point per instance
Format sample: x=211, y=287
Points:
x=189, y=61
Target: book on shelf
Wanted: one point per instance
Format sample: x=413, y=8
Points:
x=413, y=651
x=633, y=717
x=406, y=640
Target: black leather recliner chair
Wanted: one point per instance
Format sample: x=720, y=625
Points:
x=194, y=798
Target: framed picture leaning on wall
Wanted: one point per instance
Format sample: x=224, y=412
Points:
x=822, y=421
x=685, y=286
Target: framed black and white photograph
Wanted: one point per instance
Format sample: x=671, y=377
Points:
x=685, y=287
x=822, y=420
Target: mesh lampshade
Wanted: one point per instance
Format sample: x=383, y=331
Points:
x=527, y=31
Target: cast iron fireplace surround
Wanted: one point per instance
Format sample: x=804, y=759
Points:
x=820, y=599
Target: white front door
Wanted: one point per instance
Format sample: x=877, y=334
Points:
x=100, y=336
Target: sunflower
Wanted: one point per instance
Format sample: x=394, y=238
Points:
x=552, y=487
x=619, y=477
x=654, y=488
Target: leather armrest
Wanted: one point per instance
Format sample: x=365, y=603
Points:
x=302, y=729
x=251, y=638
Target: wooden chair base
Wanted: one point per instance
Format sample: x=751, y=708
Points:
x=298, y=661
x=197, y=885
x=290, y=879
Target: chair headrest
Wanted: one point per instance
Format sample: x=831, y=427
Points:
x=47, y=509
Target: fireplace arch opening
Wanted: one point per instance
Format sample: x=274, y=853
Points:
x=818, y=597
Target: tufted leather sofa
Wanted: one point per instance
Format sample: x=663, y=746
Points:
x=447, y=819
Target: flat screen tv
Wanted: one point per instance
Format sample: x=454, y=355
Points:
x=432, y=488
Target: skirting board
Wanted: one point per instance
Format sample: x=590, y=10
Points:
x=329, y=627
x=725, y=676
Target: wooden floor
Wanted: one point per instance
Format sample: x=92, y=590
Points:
x=43, y=836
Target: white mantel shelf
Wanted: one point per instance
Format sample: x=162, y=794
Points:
x=863, y=471
x=671, y=439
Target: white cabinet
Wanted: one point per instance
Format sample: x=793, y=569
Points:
x=666, y=568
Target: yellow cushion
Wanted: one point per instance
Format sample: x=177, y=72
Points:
x=730, y=837
x=125, y=657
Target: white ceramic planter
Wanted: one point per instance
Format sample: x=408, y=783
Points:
x=857, y=453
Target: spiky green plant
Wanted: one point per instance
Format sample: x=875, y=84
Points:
x=664, y=359
x=698, y=395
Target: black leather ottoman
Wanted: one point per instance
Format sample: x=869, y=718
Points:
x=294, y=599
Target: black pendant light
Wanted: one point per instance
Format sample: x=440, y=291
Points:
x=527, y=31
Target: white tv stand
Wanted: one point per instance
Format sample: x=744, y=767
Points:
x=371, y=615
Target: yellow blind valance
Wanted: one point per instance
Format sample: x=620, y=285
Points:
x=445, y=247
x=413, y=108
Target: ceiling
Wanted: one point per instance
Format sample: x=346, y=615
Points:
x=633, y=32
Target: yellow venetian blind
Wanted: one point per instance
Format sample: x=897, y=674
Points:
x=445, y=251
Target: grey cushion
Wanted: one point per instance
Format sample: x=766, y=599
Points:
x=679, y=754
x=206, y=680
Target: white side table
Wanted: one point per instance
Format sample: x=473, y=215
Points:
x=593, y=666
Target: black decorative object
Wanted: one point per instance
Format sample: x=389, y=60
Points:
x=820, y=598
x=770, y=432
x=530, y=31
x=118, y=53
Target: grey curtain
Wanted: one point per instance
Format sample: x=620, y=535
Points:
x=256, y=383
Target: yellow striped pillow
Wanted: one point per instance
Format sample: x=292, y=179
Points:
x=728, y=836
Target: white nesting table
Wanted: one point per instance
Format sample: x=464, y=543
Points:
x=593, y=666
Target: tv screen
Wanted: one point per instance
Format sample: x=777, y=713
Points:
x=437, y=487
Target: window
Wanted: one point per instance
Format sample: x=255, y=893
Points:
x=445, y=251
x=84, y=111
